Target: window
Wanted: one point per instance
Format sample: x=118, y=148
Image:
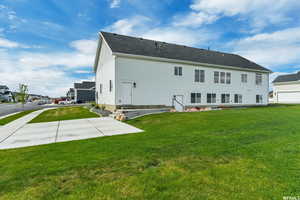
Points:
x=178, y=71
x=211, y=98
x=258, y=79
x=216, y=77
x=228, y=78
x=110, y=85
x=238, y=98
x=195, y=97
x=199, y=76
x=259, y=99
x=100, y=88
x=225, y=98
x=222, y=77
x=244, y=78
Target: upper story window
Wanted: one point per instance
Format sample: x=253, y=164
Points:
x=244, y=78
x=238, y=98
x=211, y=98
x=259, y=99
x=258, y=79
x=178, y=71
x=216, y=77
x=100, y=88
x=195, y=97
x=228, y=78
x=222, y=77
x=199, y=75
x=110, y=85
x=225, y=98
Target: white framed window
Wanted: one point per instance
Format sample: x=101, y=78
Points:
x=199, y=75
x=100, y=88
x=110, y=85
x=222, y=79
x=259, y=98
x=228, y=78
x=258, y=79
x=238, y=98
x=178, y=71
x=216, y=77
x=244, y=78
x=225, y=98
x=195, y=97
x=211, y=98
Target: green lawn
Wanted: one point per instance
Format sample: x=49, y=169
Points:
x=232, y=154
x=11, y=118
x=65, y=113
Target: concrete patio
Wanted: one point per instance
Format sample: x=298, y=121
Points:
x=19, y=134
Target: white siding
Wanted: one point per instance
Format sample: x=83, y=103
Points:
x=105, y=73
x=156, y=83
x=287, y=92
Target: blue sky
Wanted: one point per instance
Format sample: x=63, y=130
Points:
x=49, y=44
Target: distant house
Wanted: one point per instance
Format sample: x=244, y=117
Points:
x=5, y=94
x=84, y=92
x=3, y=89
x=71, y=94
x=287, y=88
x=134, y=72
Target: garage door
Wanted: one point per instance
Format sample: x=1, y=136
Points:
x=289, y=97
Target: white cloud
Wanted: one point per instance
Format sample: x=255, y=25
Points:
x=194, y=19
x=260, y=12
x=141, y=26
x=83, y=72
x=8, y=44
x=273, y=50
x=115, y=3
x=85, y=46
x=46, y=73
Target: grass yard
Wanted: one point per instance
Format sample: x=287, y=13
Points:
x=65, y=113
x=232, y=154
x=11, y=118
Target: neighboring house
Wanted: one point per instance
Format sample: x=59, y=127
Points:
x=71, y=94
x=5, y=94
x=136, y=72
x=287, y=88
x=3, y=89
x=84, y=92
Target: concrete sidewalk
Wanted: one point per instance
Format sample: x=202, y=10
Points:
x=10, y=128
x=23, y=135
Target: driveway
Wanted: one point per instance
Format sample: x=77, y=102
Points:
x=51, y=132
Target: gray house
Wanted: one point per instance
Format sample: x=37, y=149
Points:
x=84, y=92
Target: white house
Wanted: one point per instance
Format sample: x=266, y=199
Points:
x=286, y=88
x=140, y=73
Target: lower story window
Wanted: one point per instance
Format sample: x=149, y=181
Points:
x=238, y=98
x=195, y=97
x=225, y=98
x=259, y=99
x=211, y=98
x=100, y=89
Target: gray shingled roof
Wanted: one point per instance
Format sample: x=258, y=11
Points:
x=3, y=87
x=144, y=47
x=287, y=78
x=85, y=85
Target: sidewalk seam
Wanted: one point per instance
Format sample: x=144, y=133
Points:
x=56, y=136
x=96, y=127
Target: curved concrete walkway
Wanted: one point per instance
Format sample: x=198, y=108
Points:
x=20, y=134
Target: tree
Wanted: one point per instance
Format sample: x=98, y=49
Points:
x=23, y=94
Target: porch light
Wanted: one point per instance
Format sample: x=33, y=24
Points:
x=134, y=84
